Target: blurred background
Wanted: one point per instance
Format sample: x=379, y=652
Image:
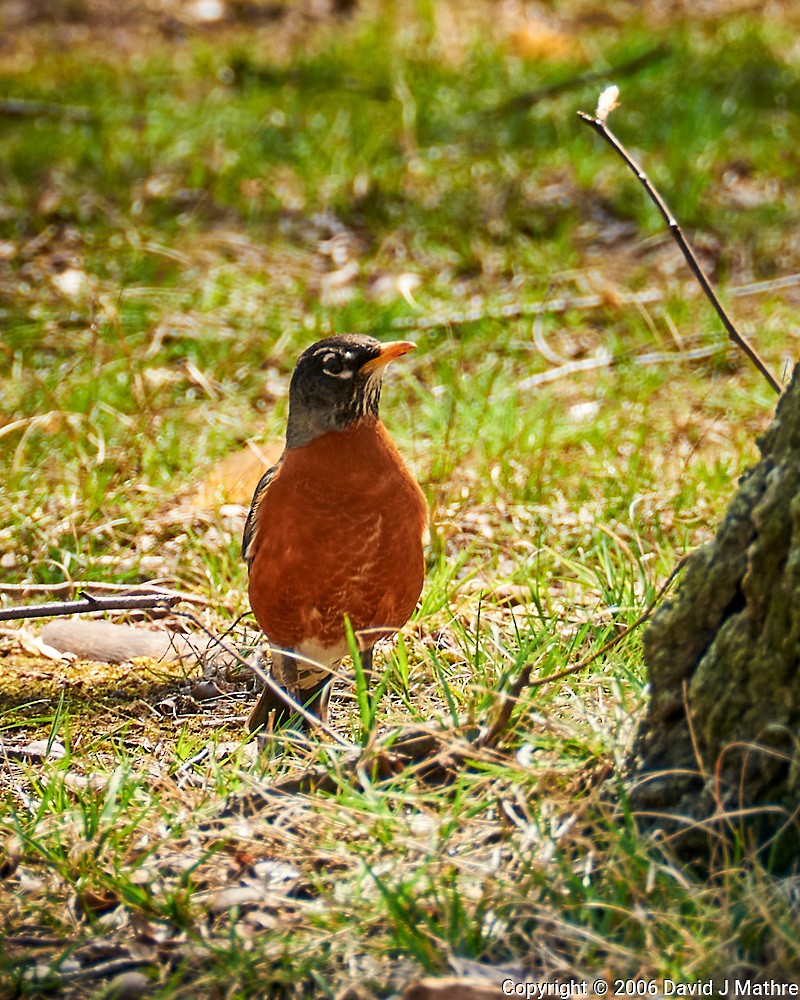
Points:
x=193, y=192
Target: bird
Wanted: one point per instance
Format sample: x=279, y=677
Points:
x=337, y=527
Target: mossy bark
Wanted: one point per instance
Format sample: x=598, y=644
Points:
x=719, y=743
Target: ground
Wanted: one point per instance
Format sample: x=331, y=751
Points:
x=206, y=190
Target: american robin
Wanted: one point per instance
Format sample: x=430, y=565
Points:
x=336, y=527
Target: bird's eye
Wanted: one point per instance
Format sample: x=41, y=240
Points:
x=332, y=364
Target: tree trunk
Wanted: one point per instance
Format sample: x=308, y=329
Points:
x=716, y=756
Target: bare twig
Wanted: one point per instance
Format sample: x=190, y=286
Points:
x=510, y=700
x=78, y=586
x=102, y=970
x=599, y=126
x=56, y=609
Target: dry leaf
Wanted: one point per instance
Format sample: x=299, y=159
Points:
x=10, y=855
x=234, y=479
x=537, y=41
x=35, y=750
x=452, y=988
x=36, y=646
x=97, y=902
x=206, y=11
x=80, y=782
x=129, y=986
x=107, y=642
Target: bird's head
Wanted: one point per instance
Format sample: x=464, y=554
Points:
x=336, y=382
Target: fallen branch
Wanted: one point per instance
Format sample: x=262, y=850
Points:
x=524, y=102
x=605, y=359
x=102, y=970
x=77, y=586
x=598, y=123
x=15, y=107
x=760, y=287
x=512, y=310
x=58, y=608
x=106, y=642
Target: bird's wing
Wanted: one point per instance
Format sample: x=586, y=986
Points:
x=251, y=524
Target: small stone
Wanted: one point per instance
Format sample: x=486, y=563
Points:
x=129, y=986
x=239, y=895
x=204, y=691
x=207, y=11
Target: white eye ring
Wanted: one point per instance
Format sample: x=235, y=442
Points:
x=333, y=365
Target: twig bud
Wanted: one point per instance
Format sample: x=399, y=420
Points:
x=606, y=103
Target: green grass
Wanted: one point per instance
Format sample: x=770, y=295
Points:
x=161, y=268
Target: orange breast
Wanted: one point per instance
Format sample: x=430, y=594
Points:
x=340, y=532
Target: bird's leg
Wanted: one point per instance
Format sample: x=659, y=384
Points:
x=366, y=665
x=284, y=672
x=306, y=687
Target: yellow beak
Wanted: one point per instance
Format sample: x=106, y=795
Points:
x=394, y=349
